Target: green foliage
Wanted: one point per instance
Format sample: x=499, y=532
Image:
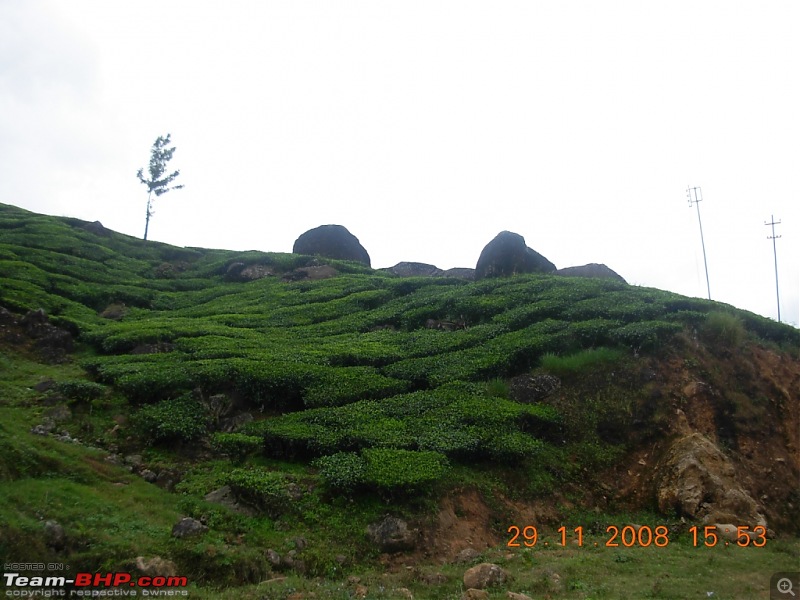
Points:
x=81, y=391
x=498, y=388
x=343, y=470
x=159, y=181
x=723, y=330
x=181, y=419
x=390, y=469
x=266, y=490
x=238, y=446
x=575, y=364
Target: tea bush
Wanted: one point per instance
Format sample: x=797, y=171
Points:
x=266, y=490
x=181, y=419
x=238, y=446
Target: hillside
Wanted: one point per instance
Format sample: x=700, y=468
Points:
x=311, y=398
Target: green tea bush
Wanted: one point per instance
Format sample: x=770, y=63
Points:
x=342, y=471
x=645, y=335
x=392, y=470
x=81, y=390
x=181, y=419
x=238, y=446
x=266, y=490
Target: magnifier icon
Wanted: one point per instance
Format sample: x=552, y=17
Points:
x=785, y=586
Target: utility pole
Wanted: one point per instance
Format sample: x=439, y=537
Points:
x=695, y=195
x=773, y=237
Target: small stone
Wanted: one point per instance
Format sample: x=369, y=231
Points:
x=361, y=591
x=149, y=476
x=473, y=594
x=516, y=596
x=273, y=557
x=54, y=535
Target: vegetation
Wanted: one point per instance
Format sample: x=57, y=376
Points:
x=324, y=404
x=159, y=182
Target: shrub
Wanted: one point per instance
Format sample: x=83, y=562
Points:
x=579, y=362
x=181, y=419
x=266, y=490
x=498, y=388
x=389, y=469
x=343, y=470
x=238, y=446
x=81, y=391
x=723, y=329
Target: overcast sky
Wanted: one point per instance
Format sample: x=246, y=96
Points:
x=424, y=127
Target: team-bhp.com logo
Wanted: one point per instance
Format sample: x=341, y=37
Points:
x=93, y=585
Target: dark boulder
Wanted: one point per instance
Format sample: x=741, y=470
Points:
x=331, y=241
x=508, y=255
x=591, y=270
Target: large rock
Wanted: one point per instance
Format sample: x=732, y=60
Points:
x=591, y=270
x=391, y=535
x=414, y=269
x=508, y=255
x=697, y=480
x=331, y=241
x=188, y=527
x=484, y=575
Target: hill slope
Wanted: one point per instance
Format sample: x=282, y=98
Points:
x=316, y=395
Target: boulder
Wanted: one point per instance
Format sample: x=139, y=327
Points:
x=507, y=254
x=484, y=575
x=156, y=567
x=460, y=273
x=188, y=527
x=414, y=269
x=391, y=535
x=698, y=481
x=591, y=270
x=529, y=389
x=331, y=241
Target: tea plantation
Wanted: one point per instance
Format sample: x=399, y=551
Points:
x=322, y=404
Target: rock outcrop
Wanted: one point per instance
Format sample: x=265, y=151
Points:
x=695, y=479
x=391, y=535
x=331, y=241
x=507, y=254
x=591, y=270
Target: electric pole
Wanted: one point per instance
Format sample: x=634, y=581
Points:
x=698, y=197
x=773, y=237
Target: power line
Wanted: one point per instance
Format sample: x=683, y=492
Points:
x=773, y=237
x=698, y=197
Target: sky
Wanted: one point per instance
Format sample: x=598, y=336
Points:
x=425, y=128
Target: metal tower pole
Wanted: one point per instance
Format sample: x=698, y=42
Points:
x=773, y=237
x=698, y=197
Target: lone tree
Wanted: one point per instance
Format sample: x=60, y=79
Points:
x=159, y=183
